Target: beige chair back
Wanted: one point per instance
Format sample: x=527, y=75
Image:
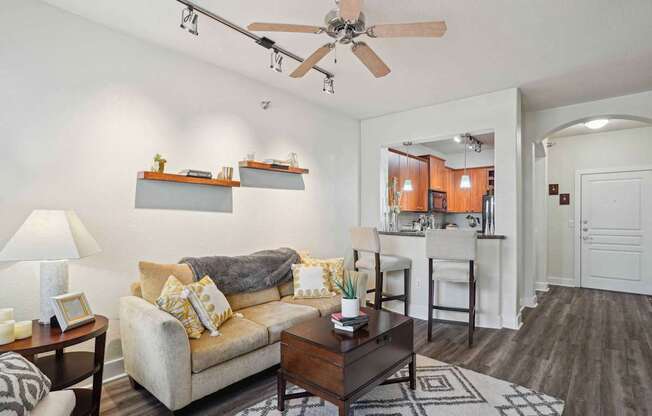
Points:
x=365, y=239
x=458, y=245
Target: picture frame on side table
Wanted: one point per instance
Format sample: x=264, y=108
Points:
x=72, y=310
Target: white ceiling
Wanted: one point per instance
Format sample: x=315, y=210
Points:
x=450, y=146
x=558, y=51
x=581, y=129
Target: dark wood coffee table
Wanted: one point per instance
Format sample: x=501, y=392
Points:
x=342, y=368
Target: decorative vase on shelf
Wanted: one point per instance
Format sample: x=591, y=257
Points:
x=350, y=308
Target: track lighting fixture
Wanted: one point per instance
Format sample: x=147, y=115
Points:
x=189, y=20
x=329, y=86
x=276, y=61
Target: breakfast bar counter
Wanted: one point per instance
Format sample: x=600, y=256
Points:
x=413, y=246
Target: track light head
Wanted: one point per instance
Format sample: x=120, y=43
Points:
x=276, y=61
x=189, y=20
x=329, y=86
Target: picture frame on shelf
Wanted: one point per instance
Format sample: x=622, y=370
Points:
x=72, y=310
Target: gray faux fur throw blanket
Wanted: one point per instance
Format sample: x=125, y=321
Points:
x=250, y=273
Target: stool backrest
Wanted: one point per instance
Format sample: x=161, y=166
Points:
x=365, y=239
x=451, y=244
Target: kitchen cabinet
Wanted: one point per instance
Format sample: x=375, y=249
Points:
x=468, y=200
x=404, y=167
x=437, y=174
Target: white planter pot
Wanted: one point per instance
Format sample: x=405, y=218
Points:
x=350, y=308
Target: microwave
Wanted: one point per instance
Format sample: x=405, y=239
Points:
x=437, y=201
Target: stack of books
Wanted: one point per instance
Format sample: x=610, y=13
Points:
x=349, y=324
x=193, y=173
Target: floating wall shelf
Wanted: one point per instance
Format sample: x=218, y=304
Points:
x=169, y=177
x=249, y=164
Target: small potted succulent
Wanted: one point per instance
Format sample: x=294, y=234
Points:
x=159, y=164
x=350, y=300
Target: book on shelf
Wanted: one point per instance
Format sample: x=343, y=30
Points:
x=196, y=173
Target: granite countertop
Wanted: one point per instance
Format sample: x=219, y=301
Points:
x=423, y=234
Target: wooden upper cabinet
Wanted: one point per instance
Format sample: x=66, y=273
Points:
x=422, y=188
x=437, y=174
x=468, y=200
x=404, y=173
x=393, y=170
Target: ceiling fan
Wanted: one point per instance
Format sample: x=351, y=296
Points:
x=345, y=24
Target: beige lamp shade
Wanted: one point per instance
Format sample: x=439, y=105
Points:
x=50, y=235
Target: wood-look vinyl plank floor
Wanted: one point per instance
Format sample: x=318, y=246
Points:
x=591, y=348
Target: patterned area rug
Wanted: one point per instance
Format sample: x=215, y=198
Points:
x=442, y=390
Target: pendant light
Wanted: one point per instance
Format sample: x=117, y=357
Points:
x=465, y=182
x=407, y=185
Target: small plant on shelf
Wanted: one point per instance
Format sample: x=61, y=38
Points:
x=159, y=164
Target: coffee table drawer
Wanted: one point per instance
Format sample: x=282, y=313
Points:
x=372, y=359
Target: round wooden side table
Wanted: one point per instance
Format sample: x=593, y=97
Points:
x=66, y=369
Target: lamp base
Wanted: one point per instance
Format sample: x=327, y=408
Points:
x=54, y=282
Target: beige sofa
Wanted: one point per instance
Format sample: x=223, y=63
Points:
x=159, y=356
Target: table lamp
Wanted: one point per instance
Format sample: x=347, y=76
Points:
x=51, y=237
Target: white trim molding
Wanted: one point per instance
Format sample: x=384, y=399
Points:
x=529, y=302
x=562, y=281
x=113, y=370
x=541, y=286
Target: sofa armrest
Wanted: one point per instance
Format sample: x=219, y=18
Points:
x=156, y=351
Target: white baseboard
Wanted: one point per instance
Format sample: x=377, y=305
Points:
x=561, y=281
x=541, y=286
x=529, y=302
x=421, y=312
x=512, y=322
x=113, y=370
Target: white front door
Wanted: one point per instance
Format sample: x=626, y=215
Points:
x=616, y=231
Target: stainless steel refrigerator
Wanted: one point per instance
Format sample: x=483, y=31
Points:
x=488, y=214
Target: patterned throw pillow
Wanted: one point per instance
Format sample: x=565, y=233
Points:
x=310, y=282
x=335, y=268
x=176, y=303
x=211, y=304
x=22, y=385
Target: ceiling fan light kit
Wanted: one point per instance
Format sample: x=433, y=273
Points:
x=344, y=25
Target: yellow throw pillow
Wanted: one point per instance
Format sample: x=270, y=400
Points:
x=335, y=268
x=310, y=282
x=174, y=301
x=211, y=304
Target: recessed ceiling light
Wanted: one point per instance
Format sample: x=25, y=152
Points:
x=596, y=124
x=458, y=139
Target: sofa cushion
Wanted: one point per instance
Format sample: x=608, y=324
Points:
x=325, y=306
x=237, y=337
x=153, y=277
x=209, y=303
x=278, y=316
x=244, y=300
x=56, y=403
x=286, y=289
x=174, y=301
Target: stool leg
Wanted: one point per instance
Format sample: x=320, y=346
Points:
x=378, y=295
x=471, y=303
x=406, y=291
x=431, y=289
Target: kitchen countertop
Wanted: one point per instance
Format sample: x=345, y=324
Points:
x=423, y=234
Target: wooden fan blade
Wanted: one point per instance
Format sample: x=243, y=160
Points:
x=350, y=9
x=407, y=30
x=312, y=60
x=372, y=61
x=282, y=27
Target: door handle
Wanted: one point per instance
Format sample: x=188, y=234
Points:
x=585, y=229
x=586, y=238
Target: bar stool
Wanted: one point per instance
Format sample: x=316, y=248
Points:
x=451, y=258
x=366, y=239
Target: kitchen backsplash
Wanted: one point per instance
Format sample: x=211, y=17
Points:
x=406, y=219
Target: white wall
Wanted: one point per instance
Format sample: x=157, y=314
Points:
x=84, y=109
x=622, y=148
x=498, y=112
x=473, y=159
x=539, y=125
